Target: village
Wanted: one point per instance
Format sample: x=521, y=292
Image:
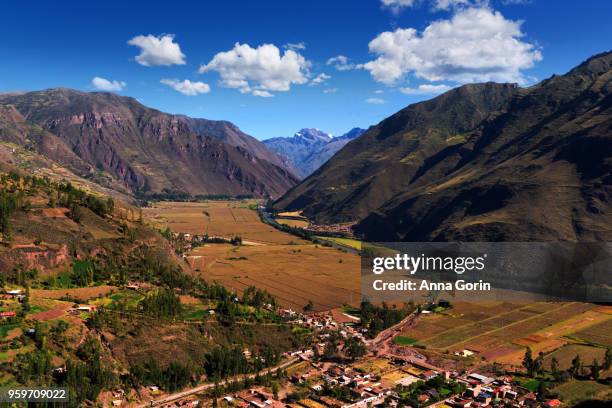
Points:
x=321, y=378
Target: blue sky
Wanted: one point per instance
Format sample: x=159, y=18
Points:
x=398, y=52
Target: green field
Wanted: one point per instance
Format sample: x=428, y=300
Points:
x=404, y=341
x=347, y=242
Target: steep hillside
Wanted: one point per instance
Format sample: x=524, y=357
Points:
x=481, y=162
x=308, y=149
x=371, y=169
x=540, y=170
x=144, y=150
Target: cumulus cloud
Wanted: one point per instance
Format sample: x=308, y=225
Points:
x=187, y=87
x=261, y=69
x=476, y=44
x=341, y=63
x=375, y=101
x=425, y=89
x=104, y=84
x=160, y=50
x=330, y=90
x=319, y=79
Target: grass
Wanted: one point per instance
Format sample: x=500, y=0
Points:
x=347, y=242
x=64, y=280
x=404, y=341
x=197, y=314
x=5, y=328
x=532, y=385
x=574, y=391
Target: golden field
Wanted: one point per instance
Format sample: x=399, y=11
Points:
x=294, y=270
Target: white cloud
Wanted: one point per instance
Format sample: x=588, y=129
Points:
x=341, y=63
x=263, y=94
x=319, y=79
x=330, y=90
x=259, y=69
x=397, y=5
x=476, y=44
x=104, y=84
x=187, y=87
x=379, y=91
x=451, y=4
x=160, y=50
x=375, y=101
x=425, y=89
x=300, y=46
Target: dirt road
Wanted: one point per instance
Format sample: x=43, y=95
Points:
x=203, y=387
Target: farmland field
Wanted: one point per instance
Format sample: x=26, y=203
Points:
x=598, y=333
x=216, y=218
x=292, y=222
x=574, y=391
x=502, y=331
x=294, y=270
x=348, y=242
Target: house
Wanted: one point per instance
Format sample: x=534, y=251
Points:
x=428, y=375
x=481, y=378
x=423, y=398
x=459, y=403
x=465, y=353
x=86, y=308
x=551, y=403
x=8, y=314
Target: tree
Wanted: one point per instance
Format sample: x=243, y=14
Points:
x=308, y=307
x=608, y=359
x=275, y=389
x=528, y=361
x=576, y=364
x=554, y=367
x=542, y=390
x=355, y=348
x=595, y=369
x=538, y=364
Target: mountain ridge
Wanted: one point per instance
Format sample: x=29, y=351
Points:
x=535, y=167
x=149, y=151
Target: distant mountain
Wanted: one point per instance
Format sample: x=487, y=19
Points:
x=145, y=151
x=308, y=149
x=480, y=162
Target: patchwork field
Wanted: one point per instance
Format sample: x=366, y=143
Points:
x=292, y=269
x=501, y=331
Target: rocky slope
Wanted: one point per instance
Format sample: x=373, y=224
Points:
x=481, y=162
x=308, y=149
x=144, y=150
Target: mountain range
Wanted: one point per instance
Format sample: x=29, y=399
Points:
x=118, y=142
x=309, y=148
x=482, y=162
